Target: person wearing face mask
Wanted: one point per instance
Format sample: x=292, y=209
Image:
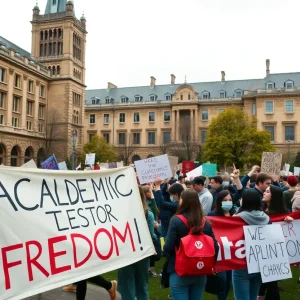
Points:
x=226, y=179
x=224, y=208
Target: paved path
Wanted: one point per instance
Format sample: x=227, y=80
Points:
x=93, y=293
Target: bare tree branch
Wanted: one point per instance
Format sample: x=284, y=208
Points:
x=127, y=149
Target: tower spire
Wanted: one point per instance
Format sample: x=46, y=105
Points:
x=57, y=6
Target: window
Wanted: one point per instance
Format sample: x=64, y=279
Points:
x=29, y=108
x=289, y=84
x=220, y=110
x=17, y=81
x=168, y=97
x=122, y=138
x=136, y=117
x=205, y=95
x=271, y=131
x=1, y=119
x=222, y=94
x=53, y=2
x=106, y=118
x=41, y=127
x=238, y=94
x=30, y=86
x=151, y=116
x=253, y=107
x=92, y=119
x=181, y=97
x=124, y=100
x=204, y=114
x=189, y=97
x=29, y=125
x=15, y=122
x=151, y=138
x=270, y=85
x=122, y=118
x=203, y=136
x=289, y=133
x=167, y=116
x=75, y=117
x=93, y=101
x=42, y=91
x=289, y=106
x=269, y=109
x=107, y=100
x=153, y=97
x=2, y=100
x=106, y=137
x=136, y=138
x=16, y=104
x=2, y=75
x=137, y=98
x=91, y=136
x=166, y=137
x=77, y=99
x=41, y=112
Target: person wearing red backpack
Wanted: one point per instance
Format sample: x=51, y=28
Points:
x=191, y=247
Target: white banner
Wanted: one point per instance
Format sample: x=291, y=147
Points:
x=59, y=227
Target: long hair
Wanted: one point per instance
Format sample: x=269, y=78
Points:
x=143, y=198
x=191, y=205
x=218, y=207
x=250, y=200
x=276, y=205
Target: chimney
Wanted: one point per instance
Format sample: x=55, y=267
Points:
x=223, y=76
x=173, y=77
x=152, y=83
x=268, y=67
x=111, y=85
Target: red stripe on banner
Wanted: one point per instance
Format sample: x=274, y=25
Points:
x=230, y=236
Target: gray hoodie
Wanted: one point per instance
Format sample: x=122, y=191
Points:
x=254, y=217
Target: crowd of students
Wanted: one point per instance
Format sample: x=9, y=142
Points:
x=253, y=198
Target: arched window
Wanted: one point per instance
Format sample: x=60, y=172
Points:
x=58, y=70
x=46, y=35
x=55, y=33
x=42, y=35
x=59, y=33
x=15, y=156
x=41, y=156
x=205, y=95
x=41, y=50
x=28, y=154
x=222, y=94
x=53, y=70
x=45, y=50
x=50, y=34
x=135, y=158
x=2, y=154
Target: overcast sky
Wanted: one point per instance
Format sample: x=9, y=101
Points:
x=130, y=40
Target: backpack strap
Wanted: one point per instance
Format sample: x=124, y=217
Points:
x=185, y=221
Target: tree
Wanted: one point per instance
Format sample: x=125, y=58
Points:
x=104, y=152
x=233, y=137
x=187, y=147
x=126, y=149
x=163, y=147
x=297, y=160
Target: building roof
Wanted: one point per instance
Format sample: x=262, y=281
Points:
x=213, y=88
x=59, y=6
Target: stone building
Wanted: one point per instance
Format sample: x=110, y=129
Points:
x=42, y=93
x=148, y=117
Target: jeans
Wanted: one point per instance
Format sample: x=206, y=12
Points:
x=133, y=281
x=245, y=286
x=227, y=279
x=270, y=291
x=187, y=287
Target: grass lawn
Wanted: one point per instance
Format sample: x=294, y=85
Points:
x=290, y=292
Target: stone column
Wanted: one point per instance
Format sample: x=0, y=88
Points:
x=24, y=103
x=36, y=107
x=173, y=122
x=177, y=124
x=192, y=124
x=196, y=124
x=10, y=96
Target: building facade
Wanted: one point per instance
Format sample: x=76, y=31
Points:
x=147, y=118
x=42, y=92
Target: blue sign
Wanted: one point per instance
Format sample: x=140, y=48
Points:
x=209, y=170
x=50, y=163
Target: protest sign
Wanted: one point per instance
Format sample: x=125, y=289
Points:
x=63, y=166
x=62, y=227
x=150, y=168
x=112, y=165
x=30, y=165
x=209, y=170
x=194, y=173
x=104, y=166
x=266, y=252
x=187, y=166
x=90, y=159
x=173, y=163
x=271, y=162
x=50, y=163
x=287, y=169
x=120, y=164
x=296, y=171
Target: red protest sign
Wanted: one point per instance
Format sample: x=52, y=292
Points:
x=187, y=166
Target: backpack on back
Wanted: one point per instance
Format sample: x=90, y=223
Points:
x=196, y=253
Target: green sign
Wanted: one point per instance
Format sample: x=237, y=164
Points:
x=209, y=169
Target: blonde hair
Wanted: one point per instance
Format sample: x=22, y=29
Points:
x=143, y=198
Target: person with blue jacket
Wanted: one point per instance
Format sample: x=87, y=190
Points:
x=187, y=287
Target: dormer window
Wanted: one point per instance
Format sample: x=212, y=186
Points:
x=93, y=101
x=270, y=85
x=222, y=94
x=53, y=2
x=168, y=97
x=289, y=84
x=124, y=99
x=138, y=98
x=107, y=100
x=153, y=97
x=238, y=93
x=205, y=95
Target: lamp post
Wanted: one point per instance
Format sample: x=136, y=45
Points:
x=74, y=143
x=289, y=144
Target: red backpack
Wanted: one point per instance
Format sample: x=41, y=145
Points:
x=196, y=253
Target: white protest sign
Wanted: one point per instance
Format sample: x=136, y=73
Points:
x=59, y=227
x=120, y=164
x=30, y=165
x=296, y=171
x=194, y=173
x=287, y=169
x=266, y=252
x=63, y=166
x=150, y=168
x=90, y=159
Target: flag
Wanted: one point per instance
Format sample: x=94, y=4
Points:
x=79, y=167
x=50, y=163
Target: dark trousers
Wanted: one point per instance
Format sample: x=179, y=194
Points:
x=270, y=290
x=82, y=285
